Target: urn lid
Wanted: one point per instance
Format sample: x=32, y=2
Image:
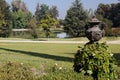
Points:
x=94, y=20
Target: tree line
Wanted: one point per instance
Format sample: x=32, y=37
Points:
x=110, y=14
x=77, y=17
x=17, y=16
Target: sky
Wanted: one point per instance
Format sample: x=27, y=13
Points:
x=64, y=5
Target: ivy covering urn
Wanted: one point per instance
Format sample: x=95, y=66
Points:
x=94, y=58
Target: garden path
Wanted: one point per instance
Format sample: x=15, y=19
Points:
x=30, y=41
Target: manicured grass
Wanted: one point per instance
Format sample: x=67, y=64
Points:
x=76, y=39
x=63, y=39
x=37, y=52
x=47, y=54
x=12, y=39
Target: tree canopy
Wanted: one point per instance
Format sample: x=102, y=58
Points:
x=17, y=15
x=75, y=19
x=47, y=23
x=5, y=19
x=54, y=12
x=111, y=12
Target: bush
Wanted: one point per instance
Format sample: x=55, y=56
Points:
x=95, y=60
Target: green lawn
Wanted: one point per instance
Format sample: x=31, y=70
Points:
x=37, y=54
x=77, y=39
x=63, y=39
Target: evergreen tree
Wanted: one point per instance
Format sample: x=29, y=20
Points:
x=41, y=11
x=44, y=9
x=75, y=20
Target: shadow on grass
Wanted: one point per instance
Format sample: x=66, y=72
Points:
x=42, y=55
x=117, y=57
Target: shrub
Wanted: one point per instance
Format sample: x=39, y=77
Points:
x=95, y=60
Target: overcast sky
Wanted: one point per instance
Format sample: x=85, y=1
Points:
x=64, y=5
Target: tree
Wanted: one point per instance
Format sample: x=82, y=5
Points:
x=19, y=5
x=75, y=20
x=54, y=12
x=20, y=14
x=5, y=19
x=47, y=23
x=111, y=12
x=106, y=23
x=1, y=18
x=115, y=14
x=41, y=11
x=28, y=17
x=104, y=10
x=44, y=9
x=19, y=19
x=2, y=21
x=33, y=27
x=37, y=13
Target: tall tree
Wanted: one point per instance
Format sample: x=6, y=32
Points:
x=103, y=10
x=19, y=19
x=28, y=17
x=5, y=19
x=115, y=14
x=44, y=9
x=20, y=14
x=111, y=12
x=15, y=5
x=54, y=12
x=75, y=19
x=33, y=28
x=19, y=5
x=37, y=13
x=2, y=21
x=41, y=11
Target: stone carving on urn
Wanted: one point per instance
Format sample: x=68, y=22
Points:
x=93, y=31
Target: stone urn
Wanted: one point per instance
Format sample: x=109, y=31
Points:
x=93, y=31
